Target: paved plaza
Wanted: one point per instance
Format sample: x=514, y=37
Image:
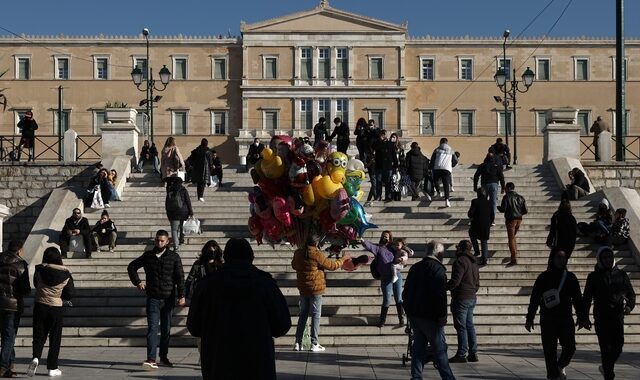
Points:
x=336, y=363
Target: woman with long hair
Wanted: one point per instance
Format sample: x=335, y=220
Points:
x=172, y=160
x=399, y=172
x=362, y=137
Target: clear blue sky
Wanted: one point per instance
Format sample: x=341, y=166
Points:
x=211, y=17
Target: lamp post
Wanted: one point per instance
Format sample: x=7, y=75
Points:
x=510, y=95
x=138, y=77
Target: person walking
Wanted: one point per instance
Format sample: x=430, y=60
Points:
x=563, y=228
x=463, y=285
x=416, y=165
x=14, y=286
x=310, y=263
x=216, y=165
x=172, y=160
x=490, y=175
x=554, y=291
x=399, y=171
x=385, y=161
x=502, y=151
x=442, y=162
x=54, y=290
x=341, y=130
x=390, y=276
x=320, y=132
x=362, y=136
x=482, y=218
x=425, y=301
x=27, y=127
x=201, y=167
x=177, y=205
x=148, y=153
x=237, y=311
x=104, y=232
x=164, y=288
x=610, y=290
x=75, y=225
x=597, y=128
x=514, y=207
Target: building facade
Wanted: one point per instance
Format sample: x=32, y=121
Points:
x=283, y=74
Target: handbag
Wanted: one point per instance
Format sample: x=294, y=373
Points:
x=191, y=226
x=551, y=298
x=182, y=174
x=373, y=268
x=97, y=201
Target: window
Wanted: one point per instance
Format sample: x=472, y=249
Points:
x=427, y=68
x=626, y=69
x=23, y=68
x=342, y=63
x=427, y=123
x=179, y=68
x=466, y=69
x=376, y=68
x=324, y=110
x=102, y=68
x=626, y=117
x=305, y=63
x=142, y=121
x=506, y=64
x=581, y=68
x=541, y=121
x=66, y=124
x=99, y=118
x=219, y=122
x=466, y=123
x=219, y=68
x=306, y=114
x=141, y=63
x=342, y=109
x=583, y=122
x=270, y=120
x=378, y=118
x=324, y=63
x=179, y=122
x=62, y=68
x=270, y=67
x=502, y=122
x=542, y=68
x=18, y=115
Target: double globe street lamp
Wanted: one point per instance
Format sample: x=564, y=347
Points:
x=138, y=78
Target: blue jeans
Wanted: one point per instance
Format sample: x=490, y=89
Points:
x=476, y=249
x=308, y=304
x=154, y=159
x=383, y=177
x=492, y=191
x=462, y=311
x=389, y=288
x=426, y=331
x=10, y=321
x=159, y=311
x=176, y=232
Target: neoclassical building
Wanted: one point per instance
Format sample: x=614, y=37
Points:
x=282, y=74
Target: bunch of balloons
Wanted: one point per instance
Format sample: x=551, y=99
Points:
x=299, y=187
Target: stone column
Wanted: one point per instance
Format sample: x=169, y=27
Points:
x=119, y=139
x=243, y=130
x=561, y=135
x=402, y=117
x=70, y=145
x=4, y=213
x=604, y=146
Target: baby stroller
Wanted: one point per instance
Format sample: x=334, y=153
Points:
x=406, y=357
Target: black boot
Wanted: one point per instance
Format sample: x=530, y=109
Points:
x=383, y=315
x=400, y=314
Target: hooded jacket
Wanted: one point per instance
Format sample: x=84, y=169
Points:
x=569, y=294
x=310, y=270
x=416, y=163
x=443, y=158
x=610, y=290
x=164, y=274
x=465, y=278
x=14, y=281
x=425, y=290
x=53, y=283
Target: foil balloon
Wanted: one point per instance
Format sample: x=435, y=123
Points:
x=336, y=166
x=298, y=175
x=271, y=164
x=324, y=187
x=362, y=224
x=308, y=195
x=326, y=221
x=350, y=218
x=353, y=263
x=271, y=228
x=255, y=227
x=296, y=204
x=355, y=164
x=281, y=211
x=283, y=146
x=339, y=205
x=313, y=169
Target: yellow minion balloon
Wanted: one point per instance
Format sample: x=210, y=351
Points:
x=336, y=166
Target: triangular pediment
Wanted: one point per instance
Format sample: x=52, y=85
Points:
x=323, y=20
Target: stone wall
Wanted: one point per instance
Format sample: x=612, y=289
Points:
x=25, y=188
x=613, y=174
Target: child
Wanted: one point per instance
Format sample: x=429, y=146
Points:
x=401, y=253
x=620, y=228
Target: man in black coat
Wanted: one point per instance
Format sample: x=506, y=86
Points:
x=613, y=297
x=320, y=132
x=482, y=217
x=425, y=302
x=76, y=225
x=417, y=164
x=254, y=153
x=490, y=175
x=385, y=160
x=164, y=283
x=341, y=130
x=27, y=126
x=14, y=286
x=201, y=167
x=237, y=311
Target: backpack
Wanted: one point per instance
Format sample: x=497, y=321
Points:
x=373, y=267
x=174, y=202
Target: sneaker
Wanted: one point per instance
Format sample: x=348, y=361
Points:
x=165, y=362
x=112, y=249
x=33, y=367
x=563, y=373
x=149, y=365
x=447, y=203
x=201, y=199
x=98, y=250
x=297, y=347
x=458, y=359
x=428, y=198
x=512, y=262
x=473, y=358
x=367, y=204
x=316, y=348
x=493, y=224
x=452, y=189
x=55, y=372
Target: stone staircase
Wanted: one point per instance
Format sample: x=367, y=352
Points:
x=109, y=311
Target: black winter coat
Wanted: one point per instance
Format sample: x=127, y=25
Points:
x=28, y=128
x=362, y=135
x=108, y=228
x=608, y=289
x=201, y=165
x=385, y=156
x=562, y=231
x=237, y=311
x=425, y=290
x=417, y=163
x=82, y=225
x=254, y=153
x=481, y=215
x=186, y=210
x=342, y=131
x=320, y=133
x=488, y=172
x=14, y=282
x=465, y=278
x=513, y=206
x=580, y=180
x=164, y=275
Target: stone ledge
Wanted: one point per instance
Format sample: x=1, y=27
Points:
x=629, y=199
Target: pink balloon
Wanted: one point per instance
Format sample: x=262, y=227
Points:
x=340, y=205
x=281, y=211
x=255, y=227
x=271, y=228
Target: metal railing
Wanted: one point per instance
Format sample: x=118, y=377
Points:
x=87, y=143
x=631, y=147
x=45, y=148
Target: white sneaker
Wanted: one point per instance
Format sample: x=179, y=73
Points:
x=493, y=224
x=297, y=347
x=563, y=373
x=440, y=194
x=105, y=206
x=428, y=197
x=55, y=372
x=33, y=367
x=452, y=189
x=149, y=365
x=447, y=203
x=316, y=348
x=201, y=199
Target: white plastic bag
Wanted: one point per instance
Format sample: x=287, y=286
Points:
x=191, y=226
x=214, y=181
x=76, y=244
x=182, y=175
x=97, y=199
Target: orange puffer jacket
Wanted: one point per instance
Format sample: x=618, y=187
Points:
x=310, y=270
